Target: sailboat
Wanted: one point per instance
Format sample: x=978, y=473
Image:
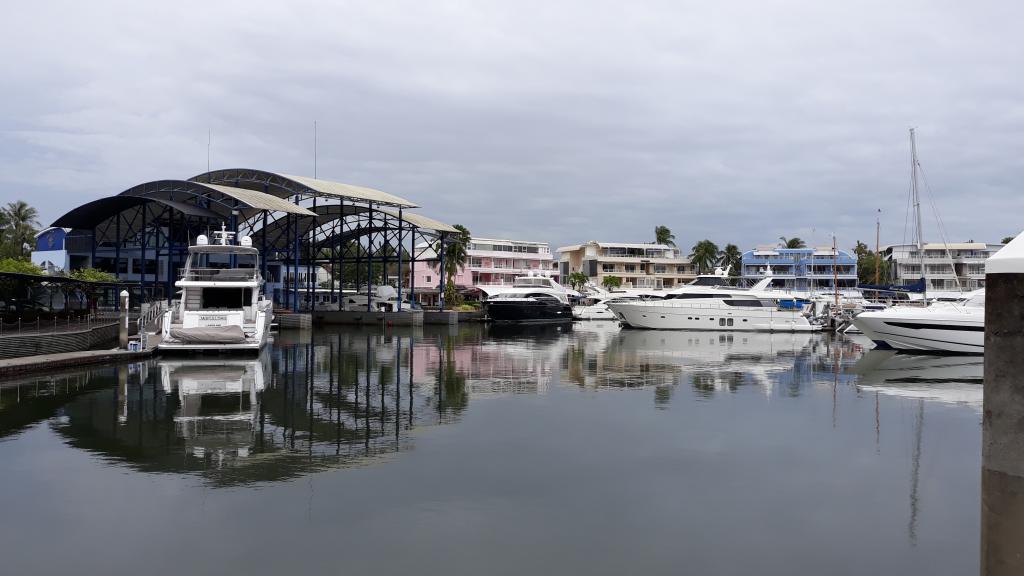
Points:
x=947, y=327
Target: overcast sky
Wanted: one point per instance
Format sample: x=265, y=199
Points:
x=560, y=122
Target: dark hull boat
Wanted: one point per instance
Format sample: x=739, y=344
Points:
x=529, y=310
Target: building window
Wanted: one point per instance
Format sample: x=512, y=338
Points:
x=607, y=267
x=428, y=278
x=680, y=269
x=660, y=269
x=630, y=267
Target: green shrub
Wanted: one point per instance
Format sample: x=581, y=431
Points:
x=19, y=266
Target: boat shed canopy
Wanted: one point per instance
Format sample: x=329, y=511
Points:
x=286, y=185
x=90, y=214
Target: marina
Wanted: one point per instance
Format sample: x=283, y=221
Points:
x=582, y=443
x=512, y=289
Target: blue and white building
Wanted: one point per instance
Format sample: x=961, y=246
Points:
x=801, y=268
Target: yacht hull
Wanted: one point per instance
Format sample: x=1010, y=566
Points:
x=593, y=312
x=526, y=310
x=667, y=316
x=961, y=336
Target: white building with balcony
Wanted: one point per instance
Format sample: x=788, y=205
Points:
x=652, y=266
x=953, y=267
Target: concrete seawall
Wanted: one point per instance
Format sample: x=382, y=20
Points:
x=18, y=345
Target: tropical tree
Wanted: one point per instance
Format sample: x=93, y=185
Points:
x=577, y=280
x=794, y=242
x=19, y=266
x=662, y=235
x=456, y=254
x=731, y=258
x=611, y=282
x=18, y=222
x=704, y=255
x=867, y=263
x=1008, y=239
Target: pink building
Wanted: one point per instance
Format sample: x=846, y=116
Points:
x=491, y=262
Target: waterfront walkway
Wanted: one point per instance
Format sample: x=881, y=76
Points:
x=64, y=360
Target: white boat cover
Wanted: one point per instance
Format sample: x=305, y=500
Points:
x=231, y=334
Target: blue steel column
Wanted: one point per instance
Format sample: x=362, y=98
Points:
x=369, y=257
x=401, y=239
x=311, y=257
x=295, y=265
x=170, y=254
x=341, y=255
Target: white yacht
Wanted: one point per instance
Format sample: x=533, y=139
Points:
x=939, y=327
x=708, y=303
x=221, y=307
x=594, y=306
x=531, y=299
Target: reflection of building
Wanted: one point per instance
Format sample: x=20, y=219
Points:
x=944, y=264
x=801, y=268
x=638, y=265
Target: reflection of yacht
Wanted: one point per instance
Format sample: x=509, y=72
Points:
x=531, y=299
x=955, y=379
x=221, y=306
x=940, y=327
x=708, y=304
x=215, y=389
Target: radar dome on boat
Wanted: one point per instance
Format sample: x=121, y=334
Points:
x=202, y=240
x=245, y=241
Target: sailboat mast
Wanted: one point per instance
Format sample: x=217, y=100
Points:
x=917, y=209
x=878, y=247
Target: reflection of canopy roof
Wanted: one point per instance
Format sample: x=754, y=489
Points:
x=284, y=185
x=90, y=214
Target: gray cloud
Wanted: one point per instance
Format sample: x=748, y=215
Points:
x=738, y=122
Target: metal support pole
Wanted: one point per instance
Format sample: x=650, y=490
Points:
x=412, y=267
x=401, y=240
x=369, y=257
x=441, y=278
x=295, y=264
x=117, y=246
x=142, y=271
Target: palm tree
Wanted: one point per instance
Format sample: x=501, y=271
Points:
x=794, y=242
x=704, y=255
x=20, y=221
x=456, y=253
x=662, y=235
x=611, y=282
x=732, y=259
x=577, y=280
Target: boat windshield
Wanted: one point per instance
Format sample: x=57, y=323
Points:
x=975, y=301
x=222, y=266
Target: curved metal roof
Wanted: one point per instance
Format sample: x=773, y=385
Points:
x=284, y=185
x=421, y=221
x=251, y=199
x=90, y=214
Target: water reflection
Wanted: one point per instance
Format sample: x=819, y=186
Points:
x=799, y=428
x=953, y=379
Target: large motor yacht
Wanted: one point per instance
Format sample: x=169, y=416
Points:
x=221, y=307
x=531, y=299
x=708, y=303
x=939, y=327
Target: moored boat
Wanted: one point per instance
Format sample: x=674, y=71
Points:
x=221, y=307
x=531, y=299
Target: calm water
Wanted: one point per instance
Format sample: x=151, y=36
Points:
x=482, y=451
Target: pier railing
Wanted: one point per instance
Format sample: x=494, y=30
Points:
x=39, y=325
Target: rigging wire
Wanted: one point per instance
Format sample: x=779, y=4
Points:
x=942, y=227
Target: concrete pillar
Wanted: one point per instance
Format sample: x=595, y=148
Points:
x=122, y=332
x=1002, y=460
